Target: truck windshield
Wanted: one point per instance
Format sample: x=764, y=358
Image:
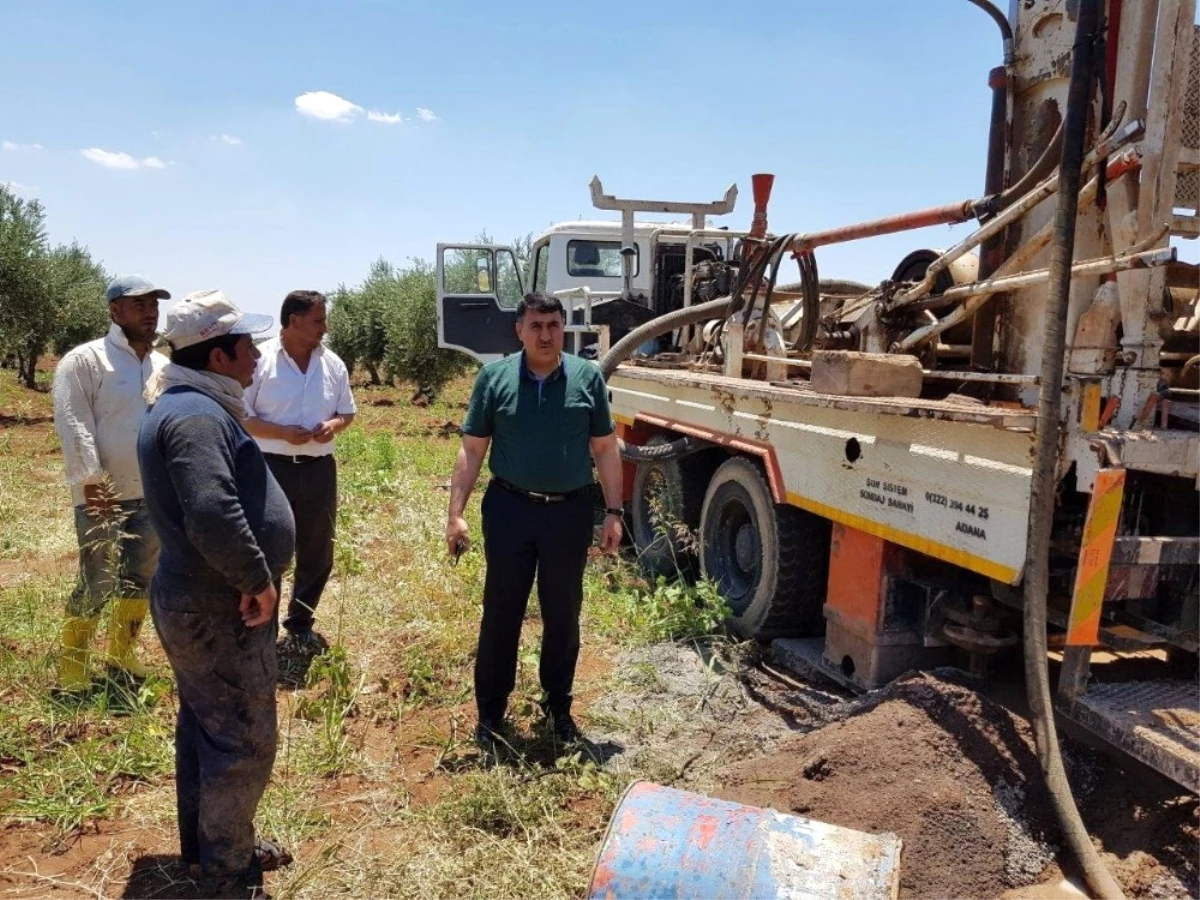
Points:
x=596, y=259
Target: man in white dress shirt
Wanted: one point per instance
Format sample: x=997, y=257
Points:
x=98, y=405
x=299, y=401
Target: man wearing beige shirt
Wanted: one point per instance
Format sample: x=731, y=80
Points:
x=98, y=405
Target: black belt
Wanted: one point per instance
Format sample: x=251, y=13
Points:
x=300, y=460
x=538, y=496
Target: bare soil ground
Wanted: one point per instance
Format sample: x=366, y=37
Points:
x=956, y=777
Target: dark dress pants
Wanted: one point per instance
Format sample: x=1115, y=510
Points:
x=523, y=540
x=311, y=490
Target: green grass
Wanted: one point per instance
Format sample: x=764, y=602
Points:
x=376, y=786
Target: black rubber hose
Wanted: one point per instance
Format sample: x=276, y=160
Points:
x=660, y=452
x=1042, y=489
x=1002, y=22
x=812, y=300
x=841, y=286
x=1044, y=166
x=679, y=318
x=624, y=348
x=769, y=259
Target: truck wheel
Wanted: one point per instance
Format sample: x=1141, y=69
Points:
x=770, y=561
x=665, y=514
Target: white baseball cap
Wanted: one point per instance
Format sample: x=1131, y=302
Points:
x=203, y=315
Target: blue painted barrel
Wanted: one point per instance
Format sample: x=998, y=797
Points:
x=663, y=842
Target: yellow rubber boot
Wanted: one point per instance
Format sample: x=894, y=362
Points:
x=73, y=674
x=124, y=625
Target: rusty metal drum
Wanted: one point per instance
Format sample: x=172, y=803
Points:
x=663, y=842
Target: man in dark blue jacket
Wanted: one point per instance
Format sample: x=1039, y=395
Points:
x=227, y=534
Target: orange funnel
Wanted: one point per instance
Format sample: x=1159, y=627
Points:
x=761, y=185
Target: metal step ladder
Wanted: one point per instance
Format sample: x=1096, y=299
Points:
x=1187, y=164
x=1154, y=721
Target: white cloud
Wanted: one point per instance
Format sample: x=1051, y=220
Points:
x=387, y=118
x=230, y=140
x=17, y=188
x=111, y=159
x=327, y=107
x=15, y=147
x=426, y=115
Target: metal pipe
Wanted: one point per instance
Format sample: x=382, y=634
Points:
x=950, y=214
x=1045, y=482
x=1105, y=146
x=991, y=254
x=1136, y=258
x=1100, y=266
x=993, y=377
x=1126, y=162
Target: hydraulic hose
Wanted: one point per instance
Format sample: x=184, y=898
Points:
x=713, y=309
x=1039, y=170
x=1002, y=23
x=624, y=348
x=839, y=286
x=679, y=318
x=1042, y=491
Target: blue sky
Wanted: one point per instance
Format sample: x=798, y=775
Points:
x=505, y=113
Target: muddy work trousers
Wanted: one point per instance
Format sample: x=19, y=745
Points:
x=522, y=540
x=226, y=730
x=118, y=552
x=310, y=485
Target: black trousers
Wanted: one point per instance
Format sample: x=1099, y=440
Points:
x=225, y=732
x=523, y=540
x=311, y=490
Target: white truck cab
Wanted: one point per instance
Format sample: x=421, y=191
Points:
x=582, y=263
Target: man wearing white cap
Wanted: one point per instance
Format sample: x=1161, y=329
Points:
x=227, y=534
x=98, y=403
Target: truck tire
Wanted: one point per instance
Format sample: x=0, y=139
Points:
x=664, y=513
x=770, y=561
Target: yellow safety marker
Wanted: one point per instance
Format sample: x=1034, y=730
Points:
x=1089, y=407
x=1095, y=554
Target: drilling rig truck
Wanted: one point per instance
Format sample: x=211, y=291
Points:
x=884, y=474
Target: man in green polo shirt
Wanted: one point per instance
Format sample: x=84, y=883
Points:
x=545, y=416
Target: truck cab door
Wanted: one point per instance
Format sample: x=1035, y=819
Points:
x=478, y=289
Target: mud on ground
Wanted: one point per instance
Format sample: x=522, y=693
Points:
x=956, y=777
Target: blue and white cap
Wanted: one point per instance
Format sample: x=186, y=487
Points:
x=133, y=286
x=204, y=315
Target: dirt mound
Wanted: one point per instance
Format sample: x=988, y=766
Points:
x=953, y=774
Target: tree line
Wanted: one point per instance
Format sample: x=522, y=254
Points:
x=387, y=325
x=51, y=297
